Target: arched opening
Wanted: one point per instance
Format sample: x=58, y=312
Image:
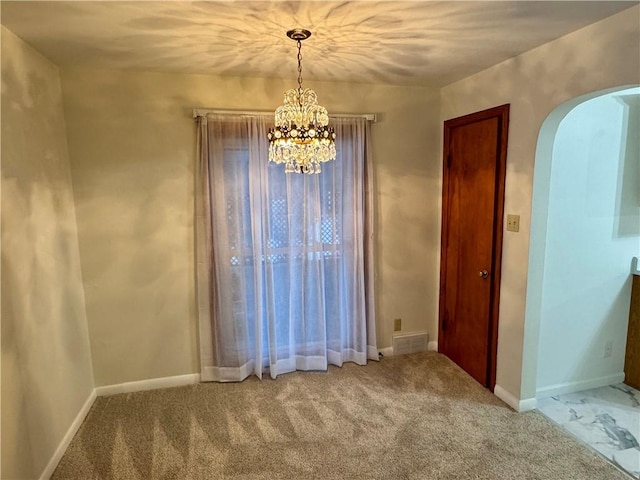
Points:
x=585, y=231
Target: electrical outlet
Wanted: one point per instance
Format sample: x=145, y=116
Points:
x=513, y=223
x=608, y=349
x=397, y=325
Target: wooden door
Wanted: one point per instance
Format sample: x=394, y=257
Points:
x=475, y=148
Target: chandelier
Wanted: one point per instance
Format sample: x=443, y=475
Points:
x=301, y=138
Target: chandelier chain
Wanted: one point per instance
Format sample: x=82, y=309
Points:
x=299, y=66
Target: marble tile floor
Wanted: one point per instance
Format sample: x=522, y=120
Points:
x=606, y=418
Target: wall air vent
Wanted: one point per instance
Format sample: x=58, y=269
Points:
x=410, y=343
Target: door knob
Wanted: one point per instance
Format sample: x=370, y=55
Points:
x=483, y=274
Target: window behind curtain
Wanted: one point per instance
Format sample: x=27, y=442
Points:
x=289, y=261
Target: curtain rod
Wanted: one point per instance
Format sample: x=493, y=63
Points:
x=202, y=112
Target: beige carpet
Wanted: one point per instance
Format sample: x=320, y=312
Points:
x=411, y=417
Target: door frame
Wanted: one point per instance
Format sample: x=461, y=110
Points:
x=502, y=113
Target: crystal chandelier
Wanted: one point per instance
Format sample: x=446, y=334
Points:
x=301, y=138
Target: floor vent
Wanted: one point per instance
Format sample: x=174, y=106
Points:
x=410, y=343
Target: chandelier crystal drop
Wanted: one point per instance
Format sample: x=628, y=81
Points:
x=302, y=138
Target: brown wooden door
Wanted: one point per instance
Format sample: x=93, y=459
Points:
x=475, y=149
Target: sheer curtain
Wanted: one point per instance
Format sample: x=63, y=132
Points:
x=285, y=273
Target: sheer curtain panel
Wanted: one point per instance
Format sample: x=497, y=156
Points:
x=284, y=261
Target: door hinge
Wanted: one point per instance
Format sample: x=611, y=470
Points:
x=448, y=160
x=445, y=320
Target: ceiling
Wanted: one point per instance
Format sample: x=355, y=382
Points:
x=394, y=42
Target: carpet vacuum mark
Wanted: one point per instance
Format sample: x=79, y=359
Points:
x=411, y=417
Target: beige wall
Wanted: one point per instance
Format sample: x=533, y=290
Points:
x=132, y=147
x=46, y=361
x=603, y=55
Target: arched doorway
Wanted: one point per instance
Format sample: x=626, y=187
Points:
x=585, y=231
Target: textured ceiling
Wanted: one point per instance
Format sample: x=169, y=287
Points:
x=416, y=42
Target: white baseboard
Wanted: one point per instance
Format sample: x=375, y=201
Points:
x=528, y=404
x=66, y=440
x=580, y=386
x=515, y=403
x=386, y=352
x=150, y=384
